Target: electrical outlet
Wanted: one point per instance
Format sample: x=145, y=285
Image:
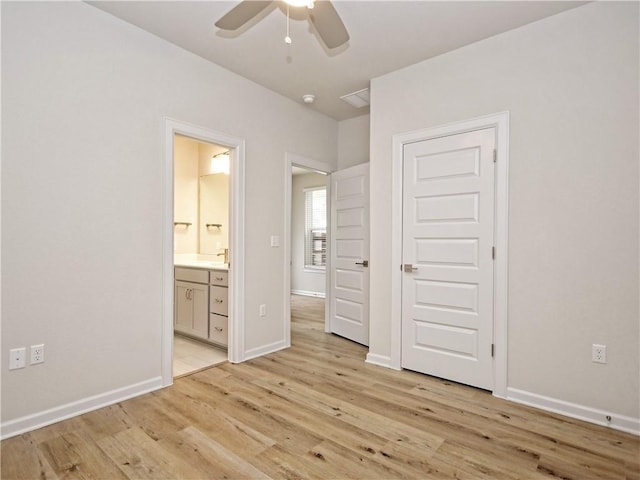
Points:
x=263, y=310
x=599, y=353
x=17, y=358
x=37, y=354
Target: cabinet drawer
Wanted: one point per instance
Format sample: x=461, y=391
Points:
x=218, y=331
x=218, y=300
x=219, y=277
x=192, y=275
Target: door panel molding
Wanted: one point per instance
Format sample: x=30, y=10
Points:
x=349, y=253
x=500, y=121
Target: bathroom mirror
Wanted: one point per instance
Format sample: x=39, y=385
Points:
x=213, y=206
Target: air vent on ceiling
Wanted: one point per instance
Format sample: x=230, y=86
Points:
x=357, y=99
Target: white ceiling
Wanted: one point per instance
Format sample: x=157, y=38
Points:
x=385, y=36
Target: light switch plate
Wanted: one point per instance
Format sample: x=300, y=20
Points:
x=17, y=358
x=275, y=240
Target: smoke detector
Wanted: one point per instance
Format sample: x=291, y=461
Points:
x=308, y=98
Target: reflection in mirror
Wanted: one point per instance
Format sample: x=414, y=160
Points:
x=214, y=210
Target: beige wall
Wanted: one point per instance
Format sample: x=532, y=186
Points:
x=570, y=83
x=185, y=195
x=82, y=206
x=353, y=141
x=213, y=203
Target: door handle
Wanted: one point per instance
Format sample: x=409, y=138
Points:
x=364, y=263
x=408, y=268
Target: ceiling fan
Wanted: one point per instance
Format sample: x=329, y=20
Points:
x=322, y=14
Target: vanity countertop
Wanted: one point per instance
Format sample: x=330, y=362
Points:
x=202, y=264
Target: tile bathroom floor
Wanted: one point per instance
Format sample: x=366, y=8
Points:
x=190, y=356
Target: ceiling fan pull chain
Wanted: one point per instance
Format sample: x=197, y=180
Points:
x=287, y=39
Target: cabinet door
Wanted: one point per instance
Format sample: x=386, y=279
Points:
x=200, y=326
x=183, y=318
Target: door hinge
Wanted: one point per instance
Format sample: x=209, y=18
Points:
x=493, y=350
x=493, y=253
x=495, y=155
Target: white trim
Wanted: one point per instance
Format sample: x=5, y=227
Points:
x=328, y=277
x=317, y=269
x=306, y=293
x=380, y=360
x=63, y=412
x=499, y=121
x=574, y=410
x=265, y=349
x=236, y=239
x=294, y=159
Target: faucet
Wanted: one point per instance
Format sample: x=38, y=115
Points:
x=225, y=253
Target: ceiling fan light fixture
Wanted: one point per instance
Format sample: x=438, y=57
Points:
x=300, y=3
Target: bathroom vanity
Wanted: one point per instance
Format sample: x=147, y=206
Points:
x=202, y=301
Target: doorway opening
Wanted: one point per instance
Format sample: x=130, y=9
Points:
x=201, y=251
x=308, y=241
x=307, y=234
x=192, y=283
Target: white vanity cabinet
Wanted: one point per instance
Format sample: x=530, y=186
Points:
x=192, y=302
x=219, y=307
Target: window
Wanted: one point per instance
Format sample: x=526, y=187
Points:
x=315, y=223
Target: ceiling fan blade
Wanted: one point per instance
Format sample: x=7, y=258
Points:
x=328, y=24
x=241, y=14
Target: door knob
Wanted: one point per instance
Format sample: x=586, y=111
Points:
x=408, y=268
x=364, y=263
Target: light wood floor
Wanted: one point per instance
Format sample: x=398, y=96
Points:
x=318, y=411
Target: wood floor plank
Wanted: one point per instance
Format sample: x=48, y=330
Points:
x=236, y=435
x=76, y=456
x=137, y=455
x=318, y=411
x=357, y=416
x=212, y=459
x=32, y=463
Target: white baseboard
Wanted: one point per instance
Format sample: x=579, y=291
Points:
x=573, y=410
x=306, y=293
x=380, y=360
x=63, y=412
x=263, y=350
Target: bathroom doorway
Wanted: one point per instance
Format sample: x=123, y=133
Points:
x=201, y=251
x=203, y=248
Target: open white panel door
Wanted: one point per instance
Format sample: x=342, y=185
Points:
x=349, y=294
x=448, y=235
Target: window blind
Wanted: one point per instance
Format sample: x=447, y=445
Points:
x=315, y=249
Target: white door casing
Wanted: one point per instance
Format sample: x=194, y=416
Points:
x=236, y=346
x=349, y=252
x=448, y=249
